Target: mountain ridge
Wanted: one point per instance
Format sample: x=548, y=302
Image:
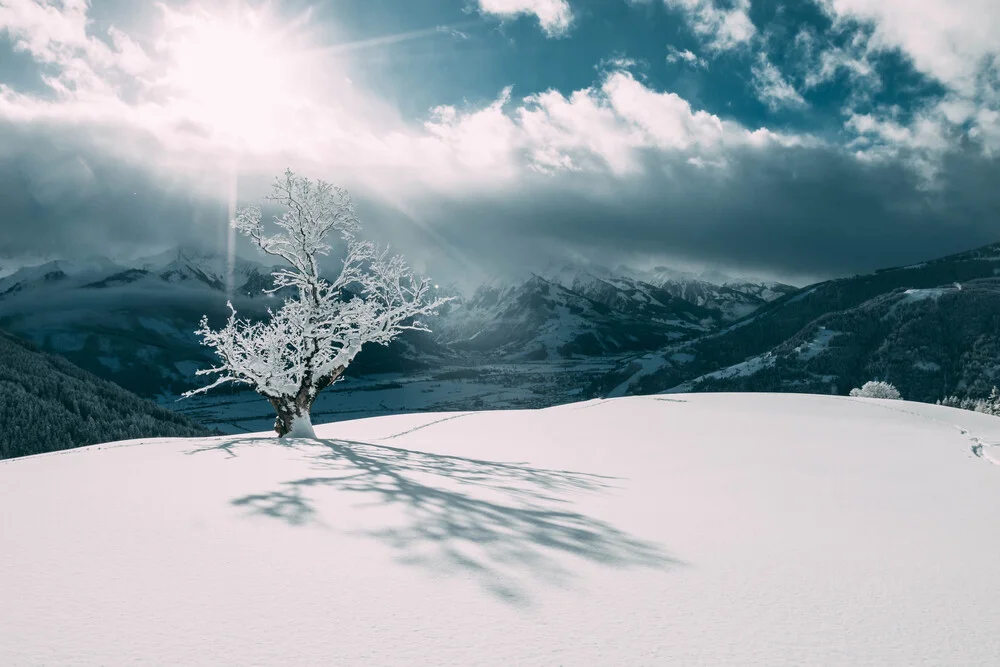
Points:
x=133, y=321
x=792, y=316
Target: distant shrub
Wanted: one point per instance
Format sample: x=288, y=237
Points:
x=877, y=389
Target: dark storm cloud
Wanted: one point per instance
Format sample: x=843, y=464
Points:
x=62, y=193
x=796, y=213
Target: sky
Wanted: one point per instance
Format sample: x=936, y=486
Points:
x=796, y=140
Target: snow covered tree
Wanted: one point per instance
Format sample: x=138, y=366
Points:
x=877, y=389
x=308, y=343
x=992, y=404
x=989, y=406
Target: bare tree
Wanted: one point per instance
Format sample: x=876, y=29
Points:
x=308, y=343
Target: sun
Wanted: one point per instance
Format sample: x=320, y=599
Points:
x=237, y=74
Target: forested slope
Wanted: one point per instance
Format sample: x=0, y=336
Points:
x=47, y=403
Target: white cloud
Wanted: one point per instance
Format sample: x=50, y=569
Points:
x=554, y=16
x=452, y=31
x=920, y=143
x=946, y=39
x=611, y=128
x=955, y=42
x=132, y=59
x=675, y=55
x=56, y=34
x=721, y=28
x=49, y=32
x=821, y=63
x=772, y=88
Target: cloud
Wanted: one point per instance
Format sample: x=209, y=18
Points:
x=946, y=39
x=772, y=88
x=822, y=61
x=610, y=128
x=796, y=212
x=453, y=32
x=675, y=55
x=617, y=170
x=554, y=16
x=49, y=32
x=722, y=28
x=63, y=192
x=956, y=44
x=57, y=36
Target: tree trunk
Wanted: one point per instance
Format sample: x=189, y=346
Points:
x=293, y=420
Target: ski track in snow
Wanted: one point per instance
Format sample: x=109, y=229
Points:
x=428, y=424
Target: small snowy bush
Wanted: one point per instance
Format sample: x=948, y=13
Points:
x=877, y=389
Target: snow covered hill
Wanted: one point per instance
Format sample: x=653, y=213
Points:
x=704, y=529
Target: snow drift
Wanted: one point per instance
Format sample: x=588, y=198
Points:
x=680, y=530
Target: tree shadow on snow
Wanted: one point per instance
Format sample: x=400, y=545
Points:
x=501, y=522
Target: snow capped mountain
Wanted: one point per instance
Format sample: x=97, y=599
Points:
x=568, y=311
x=543, y=319
x=194, y=266
x=129, y=322
x=133, y=322
x=732, y=298
x=705, y=529
x=179, y=266
x=624, y=295
x=57, y=272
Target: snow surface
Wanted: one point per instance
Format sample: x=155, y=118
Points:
x=746, y=368
x=912, y=296
x=702, y=529
x=647, y=364
x=818, y=345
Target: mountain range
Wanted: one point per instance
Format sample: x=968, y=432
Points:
x=932, y=329
x=133, y=322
